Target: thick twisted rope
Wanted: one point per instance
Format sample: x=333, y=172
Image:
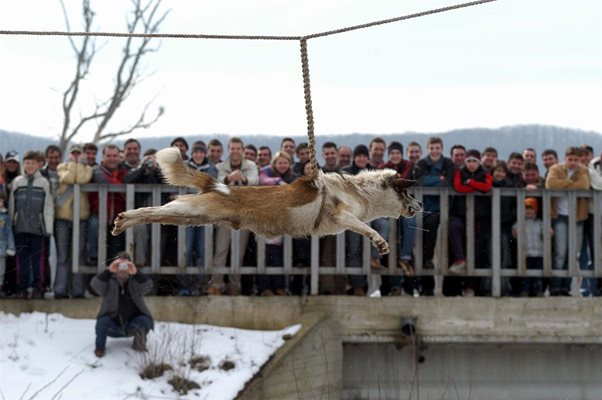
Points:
x=308, y=109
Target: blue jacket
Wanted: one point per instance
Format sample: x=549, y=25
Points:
x=428, y=173
x=7, y=239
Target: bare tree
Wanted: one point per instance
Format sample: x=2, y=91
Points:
x=144, y=18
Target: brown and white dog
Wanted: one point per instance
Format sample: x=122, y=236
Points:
x=325, y=205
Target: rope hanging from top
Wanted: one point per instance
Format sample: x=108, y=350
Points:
x=308, y=109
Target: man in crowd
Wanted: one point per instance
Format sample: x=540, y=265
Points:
x=251, y=153
x=489, y=158
x=74, y=171
x=329, y=154
x=264, y=156
x=531, y=177
x=215, y=151
x=131, y=150
x=123, y=312
x=31, y=208
x=90, y=150
x=414, y=152
x=288, y=146
x=570, y=175
x=458, y=154
x=235, y=171
x=549, y=157
x=53, y=156
x=529, y=156
x=302, y=152
x=182, y=145
x=377, y=149
x=344, y=156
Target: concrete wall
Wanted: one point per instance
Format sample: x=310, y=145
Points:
x=473, y=371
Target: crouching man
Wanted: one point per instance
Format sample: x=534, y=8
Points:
x=123, y=312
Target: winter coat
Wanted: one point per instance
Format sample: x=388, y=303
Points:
x=206, y=167
x=115, y=200
x=267, y=177
x=558, y=178
x=107, y=285
x=404, y=168
x=248, y=169
x=72, y=173
x=7, y=239
x=31, y=206
x=470, y=182
x=429, y=174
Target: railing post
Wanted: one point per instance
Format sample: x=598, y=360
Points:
x=418, y=257
x=597, y=226
x=130, y=191
x=209, y=231
x=102, y=227
x=520, y=234
x=156, y=233
x=496, y=242
x=315, y=265
x=547, y=236
x=182, y=241
x=470, y=232
x=75, y=256
x=573, y=250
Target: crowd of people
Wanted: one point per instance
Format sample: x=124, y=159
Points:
x=36, y=215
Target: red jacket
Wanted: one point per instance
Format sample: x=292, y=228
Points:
x=115, y=201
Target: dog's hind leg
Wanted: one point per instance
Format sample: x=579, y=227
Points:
x=351, y=222
x=170, y=214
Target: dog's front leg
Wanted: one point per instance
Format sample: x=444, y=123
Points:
x=351, y=222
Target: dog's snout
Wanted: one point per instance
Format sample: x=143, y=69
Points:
x=416, y=207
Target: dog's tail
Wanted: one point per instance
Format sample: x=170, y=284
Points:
x=177, y=173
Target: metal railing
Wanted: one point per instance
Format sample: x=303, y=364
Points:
x=314, y=270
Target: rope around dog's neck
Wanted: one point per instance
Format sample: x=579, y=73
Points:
x=308, y=110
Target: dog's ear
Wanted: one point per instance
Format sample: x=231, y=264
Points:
x=405, y=183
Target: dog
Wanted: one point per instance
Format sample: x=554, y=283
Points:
x=326, y=204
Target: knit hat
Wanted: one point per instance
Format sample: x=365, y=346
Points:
x=395, y=146
x=179, y=139
x=11, y=155
x=532, y=202
x=361, y=149
x=75, y=147
x=474, y=155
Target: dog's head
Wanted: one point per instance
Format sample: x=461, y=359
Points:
x=409, y=206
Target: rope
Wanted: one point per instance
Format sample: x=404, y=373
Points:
x=245, y=37
x=308, y=109
x=402, y=18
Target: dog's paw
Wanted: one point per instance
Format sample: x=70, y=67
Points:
x=382, y=245
x=118, y=225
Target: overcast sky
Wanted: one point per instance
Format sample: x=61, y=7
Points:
x=502, y=63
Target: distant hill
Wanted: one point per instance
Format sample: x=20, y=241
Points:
x=505, y=139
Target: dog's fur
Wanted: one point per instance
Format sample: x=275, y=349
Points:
x=326, y=205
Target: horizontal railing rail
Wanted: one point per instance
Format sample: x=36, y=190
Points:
x=446, y=195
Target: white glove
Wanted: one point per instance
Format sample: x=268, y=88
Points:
x=10, y=252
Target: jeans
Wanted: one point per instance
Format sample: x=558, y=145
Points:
x=383, y=227
x=274, y=258
x=106, y=326
x=561, y=252
x=407, y=243
x=30, y=261
x=63, y=230
x=195, y=246
x=92, y=235
x=533, y=286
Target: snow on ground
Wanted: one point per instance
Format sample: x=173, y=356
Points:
x=49, y=356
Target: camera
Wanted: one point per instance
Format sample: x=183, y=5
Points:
x=149, y=163
x=123, y=266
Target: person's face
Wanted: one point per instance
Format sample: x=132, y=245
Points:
x=198, y=157
x=572, y=162
x=289, y=147
x=263, y=157
x=515, y=165
x=250, y=155
x=182, y=147
x=307, y=169
x=344, y=156
x=132, y=153
x=395, y=156
x=488, y=159
x=499, y=174
x=303, y=155
x=330, y=156
x=91, y=156
x=530, y=212
x=549, y=160
x=529, y=156
x=435, y=150
x=414, y=153
x=53, y=159
x=377, y=152
x=235, y=152
x=586, y=157
x=30, y=166
x=361, y=160
x=282, y=165
x=531, y=176
x=458, y=155
x=472, y=165
x=12, y=165
x=215, y=153
x=110, y=158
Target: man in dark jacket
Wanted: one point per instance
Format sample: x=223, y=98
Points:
x=123, y=312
